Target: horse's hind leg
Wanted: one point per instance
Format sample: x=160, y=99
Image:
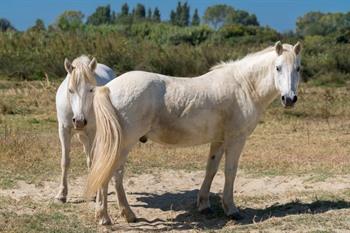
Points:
x=65, y=138
x=118, y=182
x=215, y=155
x=101, y=212
x=232, y=153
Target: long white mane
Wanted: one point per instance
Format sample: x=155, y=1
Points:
x=248, y=59
x=249, y=69
x=81, y=70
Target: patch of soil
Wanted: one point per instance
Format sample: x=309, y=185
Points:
x=165, y=200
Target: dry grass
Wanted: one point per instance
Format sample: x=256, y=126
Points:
x=309, y=139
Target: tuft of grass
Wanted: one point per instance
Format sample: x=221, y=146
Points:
x=28, y=216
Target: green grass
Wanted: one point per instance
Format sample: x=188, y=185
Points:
x=37, y=217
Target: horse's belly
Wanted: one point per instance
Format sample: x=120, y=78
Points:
x=181, y=133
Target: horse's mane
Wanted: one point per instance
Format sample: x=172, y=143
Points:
x=248, y=70
x=223, y=64
x=81, y=70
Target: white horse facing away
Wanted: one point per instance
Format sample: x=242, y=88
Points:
x=73, y=115
x=221, y=107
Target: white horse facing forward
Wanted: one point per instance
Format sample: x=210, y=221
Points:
x=73, y=115
x=221, y=107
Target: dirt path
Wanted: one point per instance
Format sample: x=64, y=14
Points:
x=165, y=200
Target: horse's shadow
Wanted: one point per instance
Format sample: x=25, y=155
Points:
x=190, y=218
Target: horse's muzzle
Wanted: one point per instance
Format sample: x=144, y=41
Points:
x=289, y=102
x=79, y=124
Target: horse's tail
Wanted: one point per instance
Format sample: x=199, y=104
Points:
x=106, y=146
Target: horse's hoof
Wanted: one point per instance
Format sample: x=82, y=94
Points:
x=207, y=211
x=93, y=199
x=61, y=200
x=236, y=216
x=130, y=218
x=143, y=139
x=105, y=221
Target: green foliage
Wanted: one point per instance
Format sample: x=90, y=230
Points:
x=317, y=23
x=241, y=17
x=221, y=14
x=125, y=10
x=69, y=20
x=180, y=17
x=216, y=15
x=195, y=18
x=140, y=11
x=156, y=15
x=102, y=15
x=39, y=25
x=128, y=41
x=6, y=25
x=235, y=33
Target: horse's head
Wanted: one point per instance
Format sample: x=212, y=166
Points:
x=81, y=86
x=287, y=72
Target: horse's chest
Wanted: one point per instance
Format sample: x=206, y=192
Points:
x=244, y=123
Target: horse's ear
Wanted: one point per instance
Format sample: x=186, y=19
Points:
x=93, y=64
x=68, y=66
x=297, y=48
x=279, y=47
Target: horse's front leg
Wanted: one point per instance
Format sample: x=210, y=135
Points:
x=65, y=138
x=214, y=158
x=233, y=151
x=118, y=183
x=87, y=139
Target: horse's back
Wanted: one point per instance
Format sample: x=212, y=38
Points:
x=104, y=74
x=169, y=110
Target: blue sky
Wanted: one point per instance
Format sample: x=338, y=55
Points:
x=278, y=14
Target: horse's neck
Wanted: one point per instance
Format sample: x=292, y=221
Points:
x=257, y=80
x=265, y=90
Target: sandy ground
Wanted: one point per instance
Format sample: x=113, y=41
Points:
x=165, y=200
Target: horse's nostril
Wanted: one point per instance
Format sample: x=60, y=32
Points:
x=295, y=98
x=85, y=122
x=282, y=97
x=73, y=120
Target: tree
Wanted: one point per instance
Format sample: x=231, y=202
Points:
x=140, y=12
x=149, y=14
x=124, y=17
x=195, y=18
x=102, y=15
x=5, y=25
x=317, y=23
x=181, y=16
x=156, y=15
x=184, y=19
x=113, y=17
x=241, y=17
x=221, y=14
x=173, y=17
x=217, y=14
x=125, y=10
x=69, y=20
x=39, y=26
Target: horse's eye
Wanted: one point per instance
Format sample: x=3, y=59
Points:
x=70, y=91
x=278, y=68
x=298, y=69
x=91, y=90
